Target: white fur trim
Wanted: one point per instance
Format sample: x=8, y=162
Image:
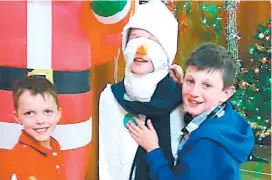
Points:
x=39, y=34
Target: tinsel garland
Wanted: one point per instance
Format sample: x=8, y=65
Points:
x=230, y=7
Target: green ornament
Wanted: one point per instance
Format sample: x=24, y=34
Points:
x=107, y=8
x=128, y=117
x=251, y=49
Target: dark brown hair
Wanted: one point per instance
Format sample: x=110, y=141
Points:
x=212, y=57
x=36, y=85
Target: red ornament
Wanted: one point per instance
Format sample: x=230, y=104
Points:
x=256, y=70
x=263, y=60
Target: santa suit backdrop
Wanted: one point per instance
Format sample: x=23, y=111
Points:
x=46, y=38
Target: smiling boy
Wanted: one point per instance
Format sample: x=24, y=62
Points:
x=37, y=155
x=216, y=139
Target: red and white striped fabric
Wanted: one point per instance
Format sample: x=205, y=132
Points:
x=48, y=35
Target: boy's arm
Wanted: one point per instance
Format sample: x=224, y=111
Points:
x=196, y=164
x=159, y=166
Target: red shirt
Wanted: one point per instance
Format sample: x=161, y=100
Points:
x=29, y=160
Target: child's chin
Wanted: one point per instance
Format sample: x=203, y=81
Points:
x=42, y=138
x=193, y=112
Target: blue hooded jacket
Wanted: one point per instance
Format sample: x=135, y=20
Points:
x=213, y=151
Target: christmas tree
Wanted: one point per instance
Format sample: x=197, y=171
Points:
x=252, y=98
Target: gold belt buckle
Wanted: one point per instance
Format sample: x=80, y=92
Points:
x=48, y=73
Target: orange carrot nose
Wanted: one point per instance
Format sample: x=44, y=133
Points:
x=142, y=50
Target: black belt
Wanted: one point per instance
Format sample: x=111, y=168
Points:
x=66, y=82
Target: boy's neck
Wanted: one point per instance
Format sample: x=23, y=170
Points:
x=46, y=144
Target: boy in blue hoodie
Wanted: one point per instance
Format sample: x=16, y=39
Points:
x=216, y=139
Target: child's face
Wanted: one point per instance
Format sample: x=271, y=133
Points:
x=38, y=115
x=141, y=64
x=203, y=89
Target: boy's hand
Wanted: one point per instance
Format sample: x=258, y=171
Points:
x=144, y=136
x=176, y=73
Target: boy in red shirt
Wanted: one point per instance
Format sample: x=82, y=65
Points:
x=37, y=155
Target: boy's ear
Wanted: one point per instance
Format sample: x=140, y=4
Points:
x=227, y=93
x=16, y=117
x=60, y=113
